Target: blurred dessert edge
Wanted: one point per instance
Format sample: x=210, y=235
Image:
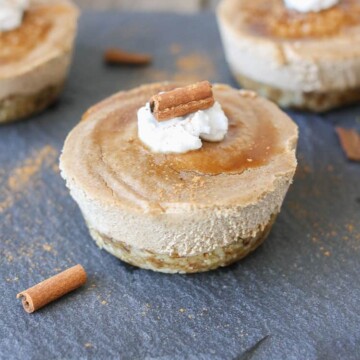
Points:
x=296, y=57
x=35, y=54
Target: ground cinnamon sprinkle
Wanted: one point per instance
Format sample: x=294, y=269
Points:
x=188, y=68
x=175, y=48
x=47, y=247
x=19, y=178
x=194, y=65
x=21, y=175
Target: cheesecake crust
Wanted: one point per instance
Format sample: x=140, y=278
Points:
x=219, y=257
x=308, y=101
x=17, y=107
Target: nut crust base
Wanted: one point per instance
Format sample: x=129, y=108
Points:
x=17, y=107
x=310, y=101
x=219, y=257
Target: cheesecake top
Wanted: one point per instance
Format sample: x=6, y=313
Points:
x=47, y=29
x=104, y=158
x=274, y=19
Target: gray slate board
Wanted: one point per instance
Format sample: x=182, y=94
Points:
x=296, y=297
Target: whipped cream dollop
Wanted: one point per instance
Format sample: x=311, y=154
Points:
x=182, y=134
x=11, y=13
x=310, y=5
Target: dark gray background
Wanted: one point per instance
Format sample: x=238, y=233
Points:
x=296, y=297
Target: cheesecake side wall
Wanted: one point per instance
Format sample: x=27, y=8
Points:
x=51, y=73
x=191, y=232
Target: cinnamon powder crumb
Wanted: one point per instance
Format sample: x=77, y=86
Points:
x=175, y=48
x=307, y=169
x=56, y=168
x=9, y=257
x=47, y=247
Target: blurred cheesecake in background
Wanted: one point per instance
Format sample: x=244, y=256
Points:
x=299, y=53
x=183, y=192
x=36, y=42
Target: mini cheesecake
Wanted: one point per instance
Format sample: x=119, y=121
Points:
x=35, y=57
x=304, y=60
x=186, y=212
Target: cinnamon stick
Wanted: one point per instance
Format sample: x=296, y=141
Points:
x=182, y=101
x=350, y=142
x=121, y=57
x=53, y=288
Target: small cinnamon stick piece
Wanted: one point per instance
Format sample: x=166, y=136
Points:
x=53, y=288
x=121, y=57
x=182, y=101
x=350, y=142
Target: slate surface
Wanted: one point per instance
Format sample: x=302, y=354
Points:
x=296, y=297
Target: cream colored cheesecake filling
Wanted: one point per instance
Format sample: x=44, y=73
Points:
x=180, y=203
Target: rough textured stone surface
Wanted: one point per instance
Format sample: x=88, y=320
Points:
x=296, y=297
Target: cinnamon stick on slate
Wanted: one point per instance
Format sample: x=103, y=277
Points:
x=120, y=57
x=350, y=142
x=53, y=288
x=182, y=101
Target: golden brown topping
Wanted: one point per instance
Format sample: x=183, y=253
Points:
x=18, y=43
x=291, y=24
x=274, y=19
